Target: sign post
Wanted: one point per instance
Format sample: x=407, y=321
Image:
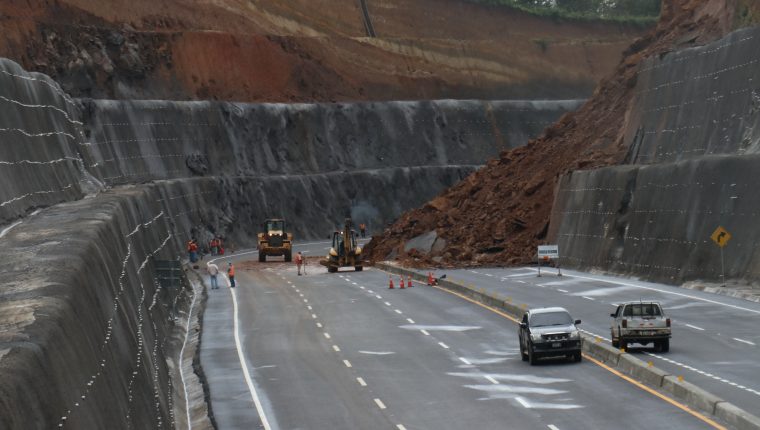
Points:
x=546, y=253
x=721, y=236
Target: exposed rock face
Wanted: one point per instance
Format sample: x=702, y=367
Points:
x=500, y=213
x=307, y=51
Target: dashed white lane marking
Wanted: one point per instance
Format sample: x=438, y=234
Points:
x=306, y=300
x=289, y=282
x=411, y=321
x=491, y=379
x=308, y=307
x=695, y=327
x=314, y=316
x=300, y=294
x=541, y=285
x=335, y=347
x=354, y=283
x=378, y=296
x=387, y=304
x=327, y=335
x=362, y=288
x=398, y=311
x=425, y=332
x=588, y=298
x=522, y=282
x=400, y=427
x=361, y=382
x=522, y=401
x=380, y=403
x=319, y=325
x=744, y=341
x=370, y=291
x=561, y=290
x=464, y=360
x=443, y=345
x=347, y=363
x=552, y=427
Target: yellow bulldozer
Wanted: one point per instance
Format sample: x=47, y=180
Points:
x=274, y=241
x=345, y=252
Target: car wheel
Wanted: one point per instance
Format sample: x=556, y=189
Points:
x=532, y=359
x=665, y=345
x=523, y=355
x=332, y=269
x=358, y=268
x=615, y=343
x=262, y=257
x=623, y=345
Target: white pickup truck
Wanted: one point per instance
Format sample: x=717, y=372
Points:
x=640, y=322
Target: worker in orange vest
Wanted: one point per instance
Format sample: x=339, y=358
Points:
x=299, y=262
x=231, y=275
x=192, y=250
x=362, y=228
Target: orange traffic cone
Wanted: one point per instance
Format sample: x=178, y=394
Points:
x=409, y=281
x=401, y=281
x=390, y=282
x=430, y=278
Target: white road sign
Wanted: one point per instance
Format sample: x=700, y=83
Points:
x=548, y=251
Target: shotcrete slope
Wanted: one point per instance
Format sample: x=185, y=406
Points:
x=500, y=213
x=97, y=195
x=285, y=51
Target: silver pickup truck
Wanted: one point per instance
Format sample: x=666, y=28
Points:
x=640, y=322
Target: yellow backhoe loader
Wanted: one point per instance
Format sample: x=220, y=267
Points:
x=344, y=252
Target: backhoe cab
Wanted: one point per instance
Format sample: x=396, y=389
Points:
x=344, y=252
x=274, y=240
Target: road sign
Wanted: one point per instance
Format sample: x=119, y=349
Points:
x=721, y=236
x=548, y=251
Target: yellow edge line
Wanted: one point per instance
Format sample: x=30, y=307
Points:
x=604, y=366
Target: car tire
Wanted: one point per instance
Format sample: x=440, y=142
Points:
x=665, y=345
x=358, y=268
x=332, y=269
x=262, y=257
x=615, y=343
x=623, y=345
x=523, y=355
x=532, y=359
x=288, y=256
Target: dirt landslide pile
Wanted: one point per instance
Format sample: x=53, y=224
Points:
x=500, y=213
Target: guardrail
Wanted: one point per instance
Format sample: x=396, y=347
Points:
x=686, y=392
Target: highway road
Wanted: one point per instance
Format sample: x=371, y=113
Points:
x=715, y=340
x=342, y=351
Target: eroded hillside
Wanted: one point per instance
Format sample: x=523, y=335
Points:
x=307, y=50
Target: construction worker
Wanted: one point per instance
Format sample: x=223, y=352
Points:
x=214, y=245
x=362, y=228
x=213, y=270
x=192, y=250
x=299, y=262
x=231, y=275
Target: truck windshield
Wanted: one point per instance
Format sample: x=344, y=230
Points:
x=275, y=225
x=550, y=318
x=642, y=310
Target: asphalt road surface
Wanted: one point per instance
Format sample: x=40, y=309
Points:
x=342, y=351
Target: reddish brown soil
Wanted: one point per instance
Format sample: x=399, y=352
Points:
x=306, y=50
x=499, y=214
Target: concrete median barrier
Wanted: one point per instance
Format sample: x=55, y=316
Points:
x=686, y=392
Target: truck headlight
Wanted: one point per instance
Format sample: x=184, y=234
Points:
x=535, y=337
x=358, y=250
x=575, y=335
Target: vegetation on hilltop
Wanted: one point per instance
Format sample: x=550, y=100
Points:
x=641, y=12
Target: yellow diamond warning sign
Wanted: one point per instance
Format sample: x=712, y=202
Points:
x=721, y=236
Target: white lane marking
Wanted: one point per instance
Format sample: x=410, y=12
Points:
x=246, y=374
x=411, y=321
x=300, y=294
x=347, y=363
x=377, y=352
x=308, y=307
x=361, y=382
x=400, y=427
x=522, y=282
x=491, y=379
x=454, y=328
x=378, y=296
x=387, y=304
x=443, y=345
x=327, y=335
x=398, y=311
x=659, y=290
x=695, y=327
x=362, y=288
x=744, y=341
x=306, y=300
x=425, y=332
x=319, y=325
x=370, y=291
x=314, y=316
x=9, y=228
x=354, y=283
x=588, y=298
x=561, y=290
x=335, y=347
x=380, y=404
x=523, y=402
x=464, y=360
x=552, y=427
